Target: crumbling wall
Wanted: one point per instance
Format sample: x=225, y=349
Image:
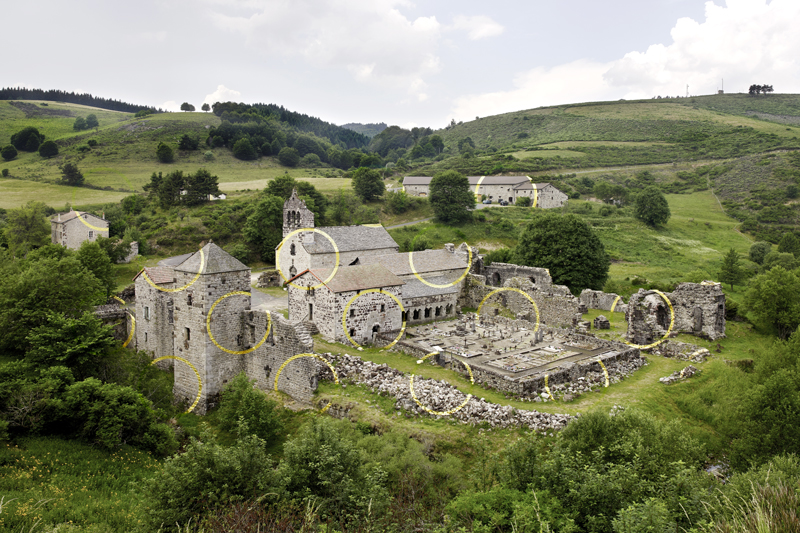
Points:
x=603, y=300
x=498, y=273
x=699, y=310
x=269, y=278
x=115, y=316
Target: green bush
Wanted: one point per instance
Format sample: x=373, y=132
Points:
x=525, y=201
x=311, y=161
x=164, y=153
x=650, y=516
x=92, y=142
x=246, y=409
x=5, y=172
x=208, y=155
x=243, y=149
x=8, y=153
x=48, y=149
x=288, y=157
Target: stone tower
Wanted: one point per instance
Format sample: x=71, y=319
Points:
x=296, y=215
x=219, y=274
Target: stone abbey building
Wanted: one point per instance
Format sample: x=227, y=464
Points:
x=497, y=188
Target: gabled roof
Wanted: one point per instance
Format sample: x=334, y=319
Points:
x=414, y=288
x=417, y=180
x=158, y=275
x=427, y=261
x=73, y=215
x=355, y=278
x=350, y=239
x=215, y=261
x=497, y=180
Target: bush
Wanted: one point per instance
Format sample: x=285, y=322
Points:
x=311, y=160
x=27, y=137
x=288, y=157
x=209, y=155
x=5, y=172
x=758, y=251
x=248, y=410
x=92, y=142
x=70, y=174
x=188, y=143
x=164, y=153
x=525, y=201
x=244, y=150
x=8, y=153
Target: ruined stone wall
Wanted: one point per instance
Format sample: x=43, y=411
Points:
x=154, y=327
x=438, y=307
x=117, y=317
x=555, y=309
x=498, y=273
x=286, y=339
x=699, y=310
x=269, y=278
x=132, y=253
x=602, y=300
x=367, y=311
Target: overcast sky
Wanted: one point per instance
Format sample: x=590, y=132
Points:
x=397, y=61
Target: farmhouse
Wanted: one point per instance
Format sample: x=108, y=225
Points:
x=72, y=229
x=497, y=188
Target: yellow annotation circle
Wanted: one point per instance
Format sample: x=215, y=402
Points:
x=525, y=294
x=445, y=285
x=315, y=356
x=477, y=189
x=90, y=226
x=669, y=330
x=362, y=293
x=441, y=413
x=218, y=345
x=614, y=305
x=278, y=258
x=196, y=373
x=605, y=371
x=179, y=289
x=547, y=388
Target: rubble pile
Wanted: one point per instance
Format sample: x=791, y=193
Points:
x=679, y=375
x=437, y=396
x=617, y=371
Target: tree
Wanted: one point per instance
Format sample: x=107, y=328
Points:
x=758, y=251
x=164, y=153
x=92, y=122
x=8, y=152
x=48, y=149
x=566, y=246
x=451, y=196
x=789, y=245
x=264, y=227
x=188, y=143
x=287, y=156
x=651, y=207
x=243, y=149
x=241, y=402
x=95, y=259
x=773, y=259
x=206, y=108
x=437, y=143
x=367, y=184
x=774, y=300
x=731, y=271
x=186, y=106
x=70, y=175
x=26, y=228
x=33, y=144
x=21, y=139
x=79, y=124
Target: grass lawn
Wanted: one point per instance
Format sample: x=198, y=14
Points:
x=15, y=193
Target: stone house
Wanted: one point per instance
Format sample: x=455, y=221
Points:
x=496, y=188
x=171, y=315
x=315, y=298
x=72, y=229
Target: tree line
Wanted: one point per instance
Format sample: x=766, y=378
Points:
x=23, y=93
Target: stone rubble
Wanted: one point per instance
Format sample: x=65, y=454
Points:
x=436, y=395
x=617, y=371
x=679, y=375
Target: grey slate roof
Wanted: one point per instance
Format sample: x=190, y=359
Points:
x=498, y=180
x=417, y=180
x=357, y=277
x=158, y=275
x=216, y=261
x=414, y=288
x=73, y=215
x=427, y=261
x=175, y=260
x=351, y=239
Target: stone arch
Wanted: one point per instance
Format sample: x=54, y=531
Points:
x=662, y=316
x=496, y=279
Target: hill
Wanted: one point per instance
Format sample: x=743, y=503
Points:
x=370, y=130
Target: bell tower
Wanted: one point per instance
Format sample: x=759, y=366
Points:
x=296, y=215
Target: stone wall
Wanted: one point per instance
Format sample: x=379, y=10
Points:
x=367, y=312
x=118, y=318
x=154, y=319
x=438, y=307
x=498, y=273
x=602, y=300
x=132, y=253
x=549, y=197
x=269, y=278
x=699, y=310
x=74, y=232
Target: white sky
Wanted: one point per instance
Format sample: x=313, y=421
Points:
x=397, y=61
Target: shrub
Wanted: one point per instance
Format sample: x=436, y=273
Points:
x=244, y=150
x=164, y=153
x=188, y=143
x=5, y=172
x=525, y=201
x=91, y=121
x=8, y=153
x=22, y=139
x=758, y=251
x=92, y=142
x=288, y=157
x=79, y=124
x=248, y=410
x=311, y=160
x=209, y=155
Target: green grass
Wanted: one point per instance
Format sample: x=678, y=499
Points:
x=54, y=481
x=15, y=193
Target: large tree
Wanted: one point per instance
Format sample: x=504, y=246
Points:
x=264, y=227
x=27, y=228
x=789, y=245
x=70, y=175
x=773, y=299
x=731, y=271
x=206, y=108
x=451, y=196
x=91, y=121
x=27, y=137
x=368, y=184
x=186, y=106
x=758, y=251
x=566, y=246
x=243, y=149
x=95, y=259
x=652, y=207
x=48, y=149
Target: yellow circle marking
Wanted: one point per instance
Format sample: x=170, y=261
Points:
x=605, y=371
x=362, y=293
x=235, y=352
x=133, y=323
x=315, y=356
x=614, y=305
x=669, y=330
x=525, y=294
x=548, y=388
x=90, y=226
x=477, y=188
x=196, y=373
x=179, y=289
x=441, y=413
x=278, y=258
x=444, y=286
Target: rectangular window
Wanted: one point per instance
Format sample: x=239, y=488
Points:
x=383, y=308
x=352, y=312
x=146, y=313
x=145, y=337
x=311, y=312
x=91, y=234
x=188, y=334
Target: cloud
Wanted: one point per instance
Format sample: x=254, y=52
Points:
x=170, y=105
x=744, y=42
x=478, y=27
x=222, y=94
x=371, y=39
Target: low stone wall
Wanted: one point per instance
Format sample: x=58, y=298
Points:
x=269, y=278
x=497, y=274
x=603, y=300
x=115, y=316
